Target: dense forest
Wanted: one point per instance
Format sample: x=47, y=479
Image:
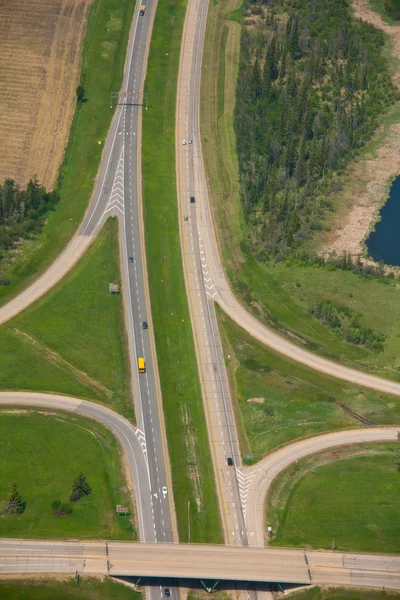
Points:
x=312, y=83
x=22, y=212
x=392, y=7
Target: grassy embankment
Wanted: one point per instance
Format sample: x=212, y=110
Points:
x=277, y=400
x=72, y=340
x=319, y=503
x=42, y=455
x=188, y=444
x=281, y=294
x=89, y=588
x=102, y=67
x=316, y=593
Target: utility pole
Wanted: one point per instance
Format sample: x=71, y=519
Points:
x=189, y=521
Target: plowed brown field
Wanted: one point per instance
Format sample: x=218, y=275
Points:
x=40, y=52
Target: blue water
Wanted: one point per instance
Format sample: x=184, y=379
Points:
x=384, y=242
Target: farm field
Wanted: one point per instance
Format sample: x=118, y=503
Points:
x=40, y=48
x=43, y=455
x=345, y=498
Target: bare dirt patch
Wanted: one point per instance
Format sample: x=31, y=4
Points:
x=256, y=400
x=376, y=172
x=40, y=50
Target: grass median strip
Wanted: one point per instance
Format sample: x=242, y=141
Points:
x=188, y=444
x=43, y=455
x=345, y=498
x=277, y=400
x=72, y=340
x=102, y=68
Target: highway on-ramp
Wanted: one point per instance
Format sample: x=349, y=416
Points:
x=185, y=561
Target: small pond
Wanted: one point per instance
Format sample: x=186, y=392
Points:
x=384, y=242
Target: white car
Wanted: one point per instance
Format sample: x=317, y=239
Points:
x=164, y=490
x=190, y=141
x=184, y=142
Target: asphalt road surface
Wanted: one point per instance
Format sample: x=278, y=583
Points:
x=212, y=372
x=201, y=562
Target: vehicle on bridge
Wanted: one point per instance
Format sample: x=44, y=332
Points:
x=141, y=365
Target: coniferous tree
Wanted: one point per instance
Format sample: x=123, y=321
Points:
x=80, y=488
x=15, y=503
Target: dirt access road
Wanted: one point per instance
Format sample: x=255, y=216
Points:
x=40, y=49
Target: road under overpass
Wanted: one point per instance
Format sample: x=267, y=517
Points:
x=203, y=563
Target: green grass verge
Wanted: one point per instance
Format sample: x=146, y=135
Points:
x=351, y=503
x=277, y=400
x=72, y=340
x=102, y=68
x=43, y=454
x=316, y=593
x=89, y=588
x=188, y=444
x=282, y=295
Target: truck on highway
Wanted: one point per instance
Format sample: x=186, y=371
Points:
x=141, y=365
x=142, y=9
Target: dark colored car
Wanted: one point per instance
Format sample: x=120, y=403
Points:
x=229, y=460
x=167, y=593
x=131, y=259
x=144, y=324
x=192, y=200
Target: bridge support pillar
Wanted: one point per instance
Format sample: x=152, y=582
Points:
x=209, y=585
x=137, y=580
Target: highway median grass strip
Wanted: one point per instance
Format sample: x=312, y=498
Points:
x=43, y=453
x=72, y=340
x=188, y=444
x=345, y=499
x=277, y=400
x=103, y=60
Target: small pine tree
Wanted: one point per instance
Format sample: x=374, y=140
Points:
x=15, y=505
x=80, y=93
x=80, y=487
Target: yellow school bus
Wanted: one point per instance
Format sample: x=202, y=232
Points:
x=141, y=365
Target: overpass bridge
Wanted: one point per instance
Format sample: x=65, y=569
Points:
x=201, y=562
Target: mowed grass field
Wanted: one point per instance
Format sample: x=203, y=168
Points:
x=40, y=48
x=281, y=295
x=89, y=588
x=72, y=340
x=316, y=593
x=277, y=400
x=188, y=444
x=348, y=498
x=42, y=454
x=103, y=58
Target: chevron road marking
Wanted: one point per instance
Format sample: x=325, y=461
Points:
x=116, y=201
